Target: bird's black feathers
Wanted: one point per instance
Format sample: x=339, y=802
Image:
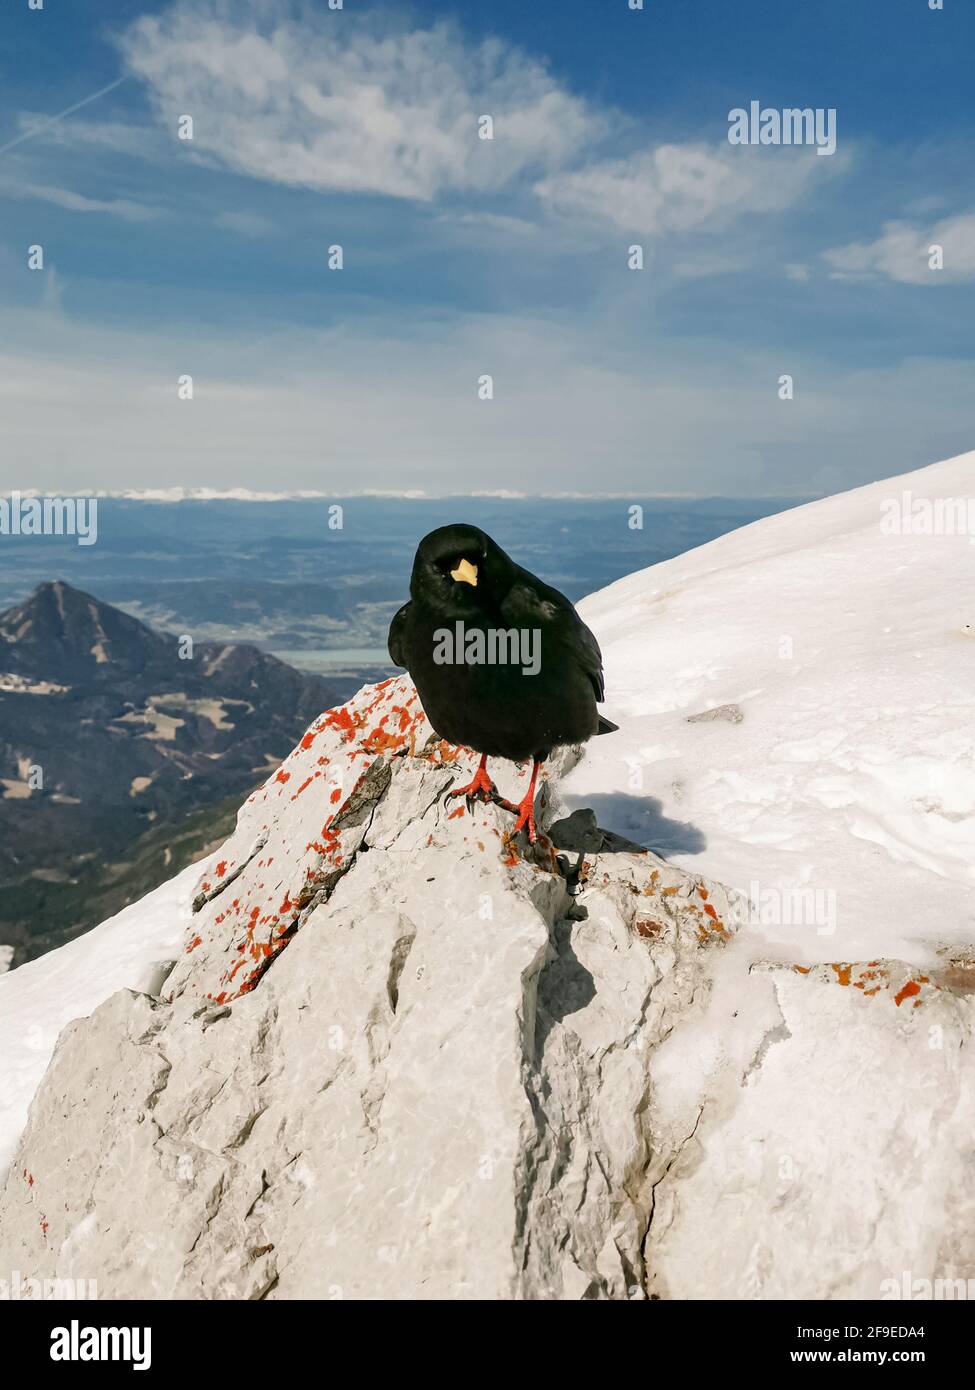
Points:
x=504, y=709
x=397, y=634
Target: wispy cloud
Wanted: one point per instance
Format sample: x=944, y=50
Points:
x=111, y=137
x=51, y=293
x=676, y=188
x=77, y=202
x=303, y=98
x=905, y=250
x=300, y=97
x=249, y=224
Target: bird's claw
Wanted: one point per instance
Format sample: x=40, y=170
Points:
x=526, y=819
x=480, y=788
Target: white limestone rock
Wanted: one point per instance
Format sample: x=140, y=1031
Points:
x=425, y=1080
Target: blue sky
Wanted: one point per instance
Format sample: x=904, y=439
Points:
x=465, y=258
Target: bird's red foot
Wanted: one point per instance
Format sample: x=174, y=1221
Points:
x=526, y=808
x=526, y=817
x=480, y=788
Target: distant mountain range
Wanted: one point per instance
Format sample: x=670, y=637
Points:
x=245, y=494
x=123, y=754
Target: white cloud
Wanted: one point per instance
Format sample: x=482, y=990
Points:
x=113, y=137
x=77, y=202
x=499, y=224
x=308, y=98
x=902, y=253
x=676, y=188
x=51, y=292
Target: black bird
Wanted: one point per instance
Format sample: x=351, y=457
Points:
x=502, y=662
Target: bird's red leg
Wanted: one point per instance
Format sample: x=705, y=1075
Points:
x=526, y=808
x=481, y=788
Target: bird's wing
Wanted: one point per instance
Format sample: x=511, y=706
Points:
x=530, y=602
x=396, y=642
x=591, y=657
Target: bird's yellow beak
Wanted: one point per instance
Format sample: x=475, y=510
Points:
x=465, y=573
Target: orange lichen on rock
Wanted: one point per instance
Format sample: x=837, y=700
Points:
x=379, y=740
x=242, y=940
x=646, y=927
x=874, y=978
x=342, y=720
x=404, y=717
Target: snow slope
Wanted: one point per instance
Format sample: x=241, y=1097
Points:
x=851, y=774
x=39, y=998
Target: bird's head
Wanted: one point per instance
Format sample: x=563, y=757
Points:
x=460, y=567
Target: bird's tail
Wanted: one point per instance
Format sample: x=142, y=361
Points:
x=606, y=726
